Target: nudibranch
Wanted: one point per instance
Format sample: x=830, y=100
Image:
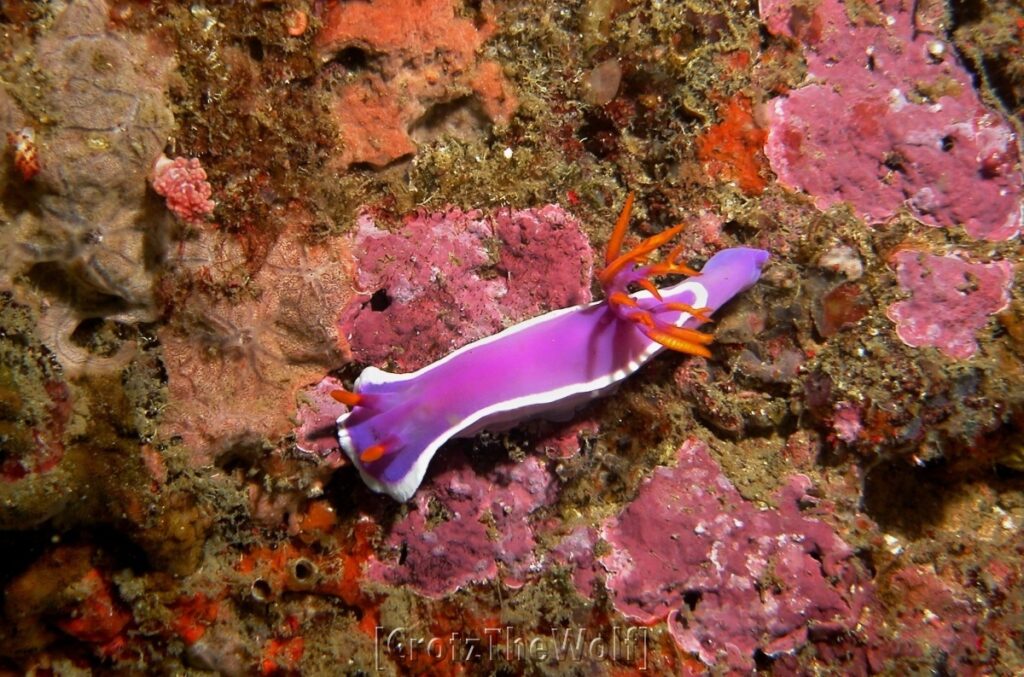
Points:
x=553, y=363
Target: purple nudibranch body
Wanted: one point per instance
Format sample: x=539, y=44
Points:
x=550, y=364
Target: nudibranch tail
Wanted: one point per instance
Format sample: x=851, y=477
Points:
x=554, y=363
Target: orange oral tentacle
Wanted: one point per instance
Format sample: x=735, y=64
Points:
x=349, y=399
x=674, y=254
x=622, y=299
x=654, y=241
x=613, y=268
x=643, y=318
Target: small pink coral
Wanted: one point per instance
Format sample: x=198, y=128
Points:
x=950, y=300
x=182, y=182
x=846, y=422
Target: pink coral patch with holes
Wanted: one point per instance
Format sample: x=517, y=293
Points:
x=950, y=300
x=890, y=118
x=730, y=577
x=447, y=278
x=467, y=527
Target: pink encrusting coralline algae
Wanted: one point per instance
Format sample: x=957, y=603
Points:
x=449, y=277
x=889, y=117
x=950, y=300
x=182, y=182
x=731, y=578
x=484, y=522
x=316, y=416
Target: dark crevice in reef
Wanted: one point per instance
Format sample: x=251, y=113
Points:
x=599, y=135
x=905, y=498
x=352, y=59
x=379, y=301
x=20, y=549
x=463, y=118
x=970, y=33
x=105, y=543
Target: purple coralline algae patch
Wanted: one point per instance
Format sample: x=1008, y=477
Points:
x=950, y=300
x=464, y=525
x=565, y=441
x=889, y=117
x=731, y=578
x=447, y=278
x=935, y=614
x=317, y=415
x=847, y=422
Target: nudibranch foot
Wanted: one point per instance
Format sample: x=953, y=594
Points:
x=553, y=363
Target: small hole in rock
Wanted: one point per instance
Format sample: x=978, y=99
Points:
x=762, y=661
x=303, y=569
x=255, y=49
x=261, y=590
x=894, y=162
x=599, y=135
x=380, y=301
x=352, y=59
